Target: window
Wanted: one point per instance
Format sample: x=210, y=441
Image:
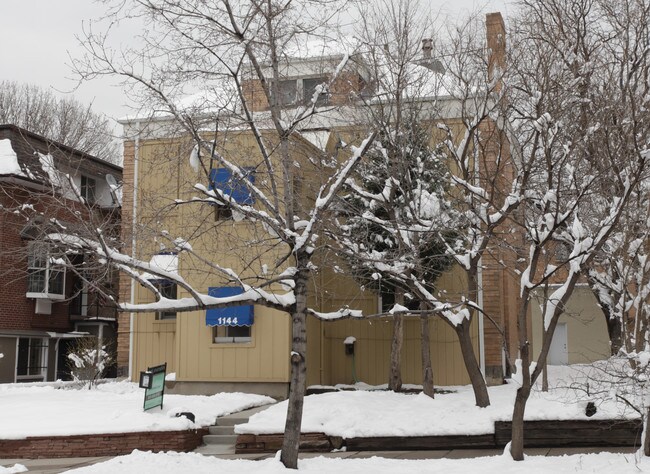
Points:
x=31, y=361
x=46, y=274
x=309, y=88
x=235, y=187
x=388, y=298
x=232, y=324
x=88, y=189
x=222, y=213
x=78, y=305
x=287, y=92
x=231, y=334
x=296, y=91
x=169, y=290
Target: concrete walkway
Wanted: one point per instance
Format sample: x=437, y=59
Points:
x=52, y=466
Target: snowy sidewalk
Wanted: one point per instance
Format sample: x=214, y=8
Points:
x=52, y=466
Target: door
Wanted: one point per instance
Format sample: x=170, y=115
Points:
x=558, y=354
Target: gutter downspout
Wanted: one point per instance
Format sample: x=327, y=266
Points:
x=481, y=323
x=136, y=150
x=479, y=278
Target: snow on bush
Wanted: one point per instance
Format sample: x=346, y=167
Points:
x=88, y=361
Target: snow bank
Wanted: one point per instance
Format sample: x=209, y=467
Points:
x=172, y=463
x=13, y=469
x=384, y=413
x=115, y=407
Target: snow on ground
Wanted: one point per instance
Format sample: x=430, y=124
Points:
x=172, y=463
x=13, y=469
x=57, y=409
x=366, y=413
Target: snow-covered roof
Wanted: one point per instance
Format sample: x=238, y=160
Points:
x=9, y=159
x=318, y=47
x=318, y=138
x=423, y=78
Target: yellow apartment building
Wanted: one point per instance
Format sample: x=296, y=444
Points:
x=247, y=348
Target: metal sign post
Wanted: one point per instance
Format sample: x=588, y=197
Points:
x=153, y=381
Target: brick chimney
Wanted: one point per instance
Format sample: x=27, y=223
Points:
x=496, y=43
x=427, y=47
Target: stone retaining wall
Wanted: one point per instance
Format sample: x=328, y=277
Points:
x=109, y=444
x=549, y=433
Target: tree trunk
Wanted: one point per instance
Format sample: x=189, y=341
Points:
x=615, y=334
x=614, y=324
x=517, y=443
x=545, y=377
x=471, y=364
x=427, y=370
x=291, y=442
x=395, y=375
x=646, y=435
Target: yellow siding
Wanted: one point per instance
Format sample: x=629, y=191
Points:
x=186, y=344
x=587, y=337
x=327, y=363
x=372, y=352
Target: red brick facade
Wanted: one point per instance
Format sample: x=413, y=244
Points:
x=28, y=204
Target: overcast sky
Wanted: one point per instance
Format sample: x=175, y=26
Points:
x=38, y=36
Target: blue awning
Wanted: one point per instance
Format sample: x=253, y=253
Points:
x=231, y=316
x=222, y=179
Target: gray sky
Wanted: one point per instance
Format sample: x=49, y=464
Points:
x=39, y=35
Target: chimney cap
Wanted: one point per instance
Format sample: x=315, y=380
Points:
x=427, y=47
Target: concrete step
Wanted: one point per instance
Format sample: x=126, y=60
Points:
x=221, y=430
x=215, y=449
x=227, y=421
x=222, y=437
x=228, y=440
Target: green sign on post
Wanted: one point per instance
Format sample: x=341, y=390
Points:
x=153, y=380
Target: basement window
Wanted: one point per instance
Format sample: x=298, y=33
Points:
x=231, y=334
x=31, y=363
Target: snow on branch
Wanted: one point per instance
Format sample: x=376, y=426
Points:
x=324, y=199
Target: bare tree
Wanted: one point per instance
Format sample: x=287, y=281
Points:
x=567, y=75
x=386, y=204
x=620, y=277
x=63, y=120
x=457, y=87
x=233, y=55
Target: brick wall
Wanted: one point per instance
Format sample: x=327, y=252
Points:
x=340, y=91
x=500, y=281
x=18, y=311
x=112, y=444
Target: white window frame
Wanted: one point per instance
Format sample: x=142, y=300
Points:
x=89, y=184
x=39, y=260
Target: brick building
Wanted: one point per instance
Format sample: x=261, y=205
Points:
x=45, y=304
